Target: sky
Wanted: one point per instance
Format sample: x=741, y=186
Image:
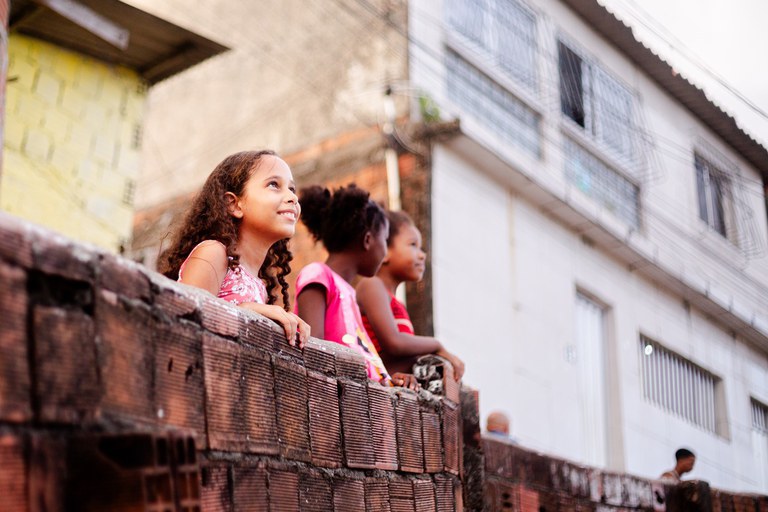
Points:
x=702, y=38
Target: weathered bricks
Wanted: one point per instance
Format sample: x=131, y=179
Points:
x=14, y=369
x=432, y=438
x=320, y=357
x=240, y=406
x=283, y=490
x=424, y=495
x=349, y=364
x=409, y=439
x=324, y=421
x=401, y=497
x=377, y=494
x=445, y=495
x=67, y=386
x=292, y=409
x=13, y=473
x=452, y=437
x=178, y=367
x=125, y=332
x=348, y=494
x=215, y=492
x=356, y=422
x=382, y=412
x=250, y=490
x=315, y=494
x=123, y=277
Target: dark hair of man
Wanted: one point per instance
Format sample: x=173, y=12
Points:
x=683, y=453
x=339, y=219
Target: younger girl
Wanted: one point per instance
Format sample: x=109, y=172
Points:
x=353, y=229
x=235, y=237
x=385, y=317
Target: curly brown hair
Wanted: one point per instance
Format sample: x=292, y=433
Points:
x=209, y=219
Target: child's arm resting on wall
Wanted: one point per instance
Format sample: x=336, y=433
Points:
x=295, y=327
x=374, y=301
x=311, y=307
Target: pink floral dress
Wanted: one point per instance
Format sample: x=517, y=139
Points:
x=238, y=286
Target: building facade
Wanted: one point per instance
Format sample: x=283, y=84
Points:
x=604, y=226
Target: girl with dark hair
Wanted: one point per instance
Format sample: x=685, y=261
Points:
x=386, y=319
x=353, y=229
x=234, y=241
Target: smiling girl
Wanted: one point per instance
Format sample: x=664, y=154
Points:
x=233, y=242
x=385, y=317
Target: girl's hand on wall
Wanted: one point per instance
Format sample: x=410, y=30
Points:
x=296, y=329
x=458, y=364
x=405, y=380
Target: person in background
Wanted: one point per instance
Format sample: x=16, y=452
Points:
x=353, y=229
x=685, y=461
x=386, y=318
x=234, y=240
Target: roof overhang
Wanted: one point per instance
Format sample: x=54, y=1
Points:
x=114, y=32
x=694, y=99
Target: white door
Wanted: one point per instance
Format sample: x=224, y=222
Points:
x=590, y=358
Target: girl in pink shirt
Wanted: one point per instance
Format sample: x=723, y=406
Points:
x=233, y=242
x=354, y=230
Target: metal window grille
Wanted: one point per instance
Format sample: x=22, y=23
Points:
x=491, y=104
x=612, y=190
x=759, y=416
x=712, y=187
x=597, y=102
x=504, y=29
x=677, y=385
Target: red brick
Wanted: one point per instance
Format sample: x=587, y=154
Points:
x=377, y=494
x=292, y=409
x=14, y=366
x=319, y=356
x=349, y=364
x=314, y=492
x=67, y=383
x=382, y=412
x=250, y=489
x=220, y=317
x=172, y=300
x=401, y=497
x=240, y=404
x=57, y=255
x=15, y=242
x=445, y=495
x=125, y=358
x=424, y=495
x=432, y=439
x=452, y=437
x=283, y=491
x=123, y=277
x=179, y=378
x=215, y=495
x=324, y=421
x=348, y=495
x=409, y=442
x=13, y=473
x=451, y=388
x=255, y=331
x=47, y=465
x=356, y=424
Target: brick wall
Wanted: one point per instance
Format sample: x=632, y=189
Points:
x=121, y=390
x=71, y=141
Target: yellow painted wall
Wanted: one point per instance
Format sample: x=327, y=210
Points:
x=71, y=148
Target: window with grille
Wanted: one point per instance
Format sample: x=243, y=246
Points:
x=491, y=104
x=759, y=416
x=603, y=184
x=713, y=189
x=503, y=29
x=597, y=102
x=679, y=386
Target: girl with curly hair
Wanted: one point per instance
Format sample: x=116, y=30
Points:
x=353, y=229
x=386, y=319
x=234, y=241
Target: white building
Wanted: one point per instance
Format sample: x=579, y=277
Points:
x=599, y=240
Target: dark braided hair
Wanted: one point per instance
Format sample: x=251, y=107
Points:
x=397, y=219
x=209, y=219
x=340, y=219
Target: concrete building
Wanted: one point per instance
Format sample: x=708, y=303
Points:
x=599, y=249
x=78, y=74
